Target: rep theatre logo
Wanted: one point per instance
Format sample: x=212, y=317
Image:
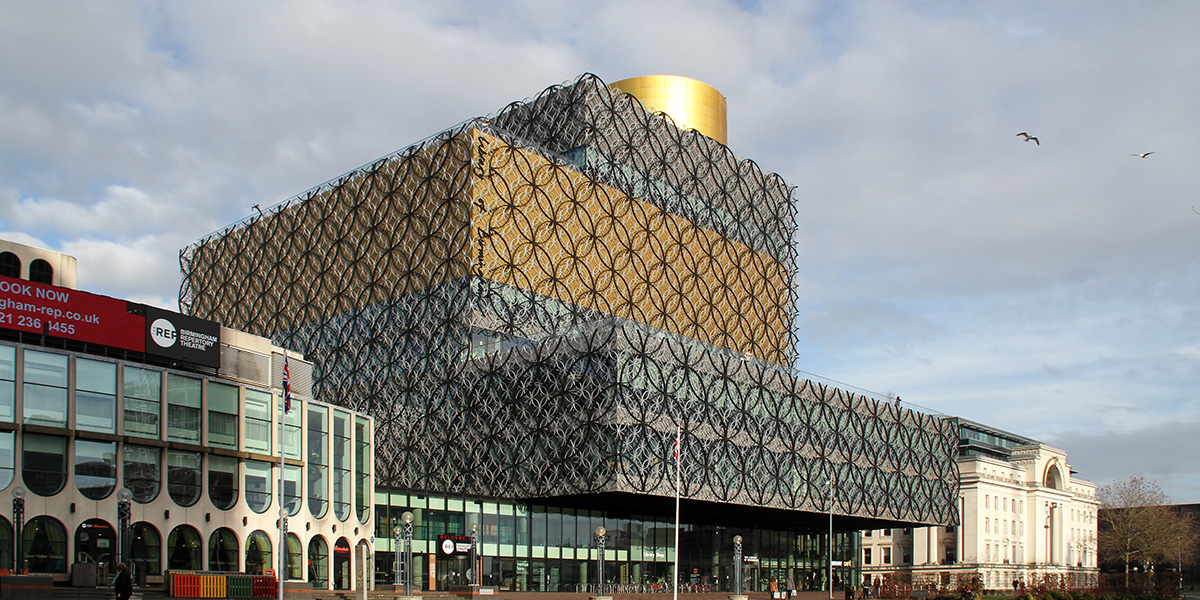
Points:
x=181, y=337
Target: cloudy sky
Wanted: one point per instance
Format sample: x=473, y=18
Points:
x=1049, y=290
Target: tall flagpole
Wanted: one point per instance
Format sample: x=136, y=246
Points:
x=678, y=460
x=287, y=405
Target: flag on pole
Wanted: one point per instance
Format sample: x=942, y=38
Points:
x=677, y=449
x=287, y=387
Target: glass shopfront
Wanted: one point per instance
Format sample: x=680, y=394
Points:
x=553, y=549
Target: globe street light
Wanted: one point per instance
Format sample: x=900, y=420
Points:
x=407, y=518
x=737, y=565
x=600, y=531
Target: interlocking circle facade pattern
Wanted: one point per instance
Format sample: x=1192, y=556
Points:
x=531, y=304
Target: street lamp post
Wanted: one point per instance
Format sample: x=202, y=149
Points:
x=600, y=531
x=407, y=517
x=475, y=554
x=737, y=565
x=123, y=517
x=18, y=495
x=397, y=534
x=829, y=507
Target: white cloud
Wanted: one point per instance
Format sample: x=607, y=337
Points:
x=1034, y=288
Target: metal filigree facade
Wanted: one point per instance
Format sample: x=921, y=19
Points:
x=530, y=304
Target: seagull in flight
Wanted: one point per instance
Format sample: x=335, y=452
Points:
x=1029, y=138
x=1142, y=155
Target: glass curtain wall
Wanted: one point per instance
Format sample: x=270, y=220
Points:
x=553, y=549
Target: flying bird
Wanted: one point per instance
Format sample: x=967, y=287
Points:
x=1029, y=138
x=1142, y=155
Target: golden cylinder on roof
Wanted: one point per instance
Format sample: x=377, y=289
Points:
x=691, y=103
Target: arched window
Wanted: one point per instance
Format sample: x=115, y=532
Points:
x=44, y=463
x=1054, y=477
x=45, y=542
x=342, y=462
x=6, y=544
x=143, y=474
x=10, y=265
x=95, y=468
x=258, y=553
x=183, y=549
x=223, y=550
x=222, y=481
x=96, y=539
x=364, y=493
x=291, y=489
x=183, y=476
x=8, y=450
x=40, y=271
x=341, y=564
x=258, y=485
x=145, y=547
x=318, y=461
x=295, y=557
x=318, y=563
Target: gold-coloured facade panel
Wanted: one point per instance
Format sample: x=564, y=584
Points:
x=692, y=104
x=546, y=228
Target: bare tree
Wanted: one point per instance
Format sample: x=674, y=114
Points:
x=1137, y=527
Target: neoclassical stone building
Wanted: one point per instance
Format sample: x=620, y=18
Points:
x=1024, y=517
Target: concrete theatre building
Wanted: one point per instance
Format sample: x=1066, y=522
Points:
x=1025, y=518
x=532, y=305
x=137, y=434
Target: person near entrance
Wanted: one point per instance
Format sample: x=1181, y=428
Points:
x=123, y=584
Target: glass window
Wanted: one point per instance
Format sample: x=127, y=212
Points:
x=10, y=265
x=258, y=421
x=8, y=445
x=183, y=549
x=8, y=383
x=292, y=432
x=183, y=477
x=95, y=468
x=144, y=548
x=223, y=550
x=318, y=461
x=45, y=398
x=143, y=473
x=258, y=485
x=44, y=463
x=362, y=467
x=866, y=556
x=40, y=271
x=143, y=402
x=295, y=552
x=223, y=481
x=183, y=409
x=45, y=543
x=318, y=562
x=6, y=544
x=291, y=489
x=95, y=395
x=222, y=415
x=258, y=553
x=341, y=465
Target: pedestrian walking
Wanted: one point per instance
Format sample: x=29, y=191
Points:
x=123, y=584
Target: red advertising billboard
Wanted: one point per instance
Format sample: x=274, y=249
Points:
x=72, y=314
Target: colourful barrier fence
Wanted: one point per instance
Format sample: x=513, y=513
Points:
x=190, y=584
